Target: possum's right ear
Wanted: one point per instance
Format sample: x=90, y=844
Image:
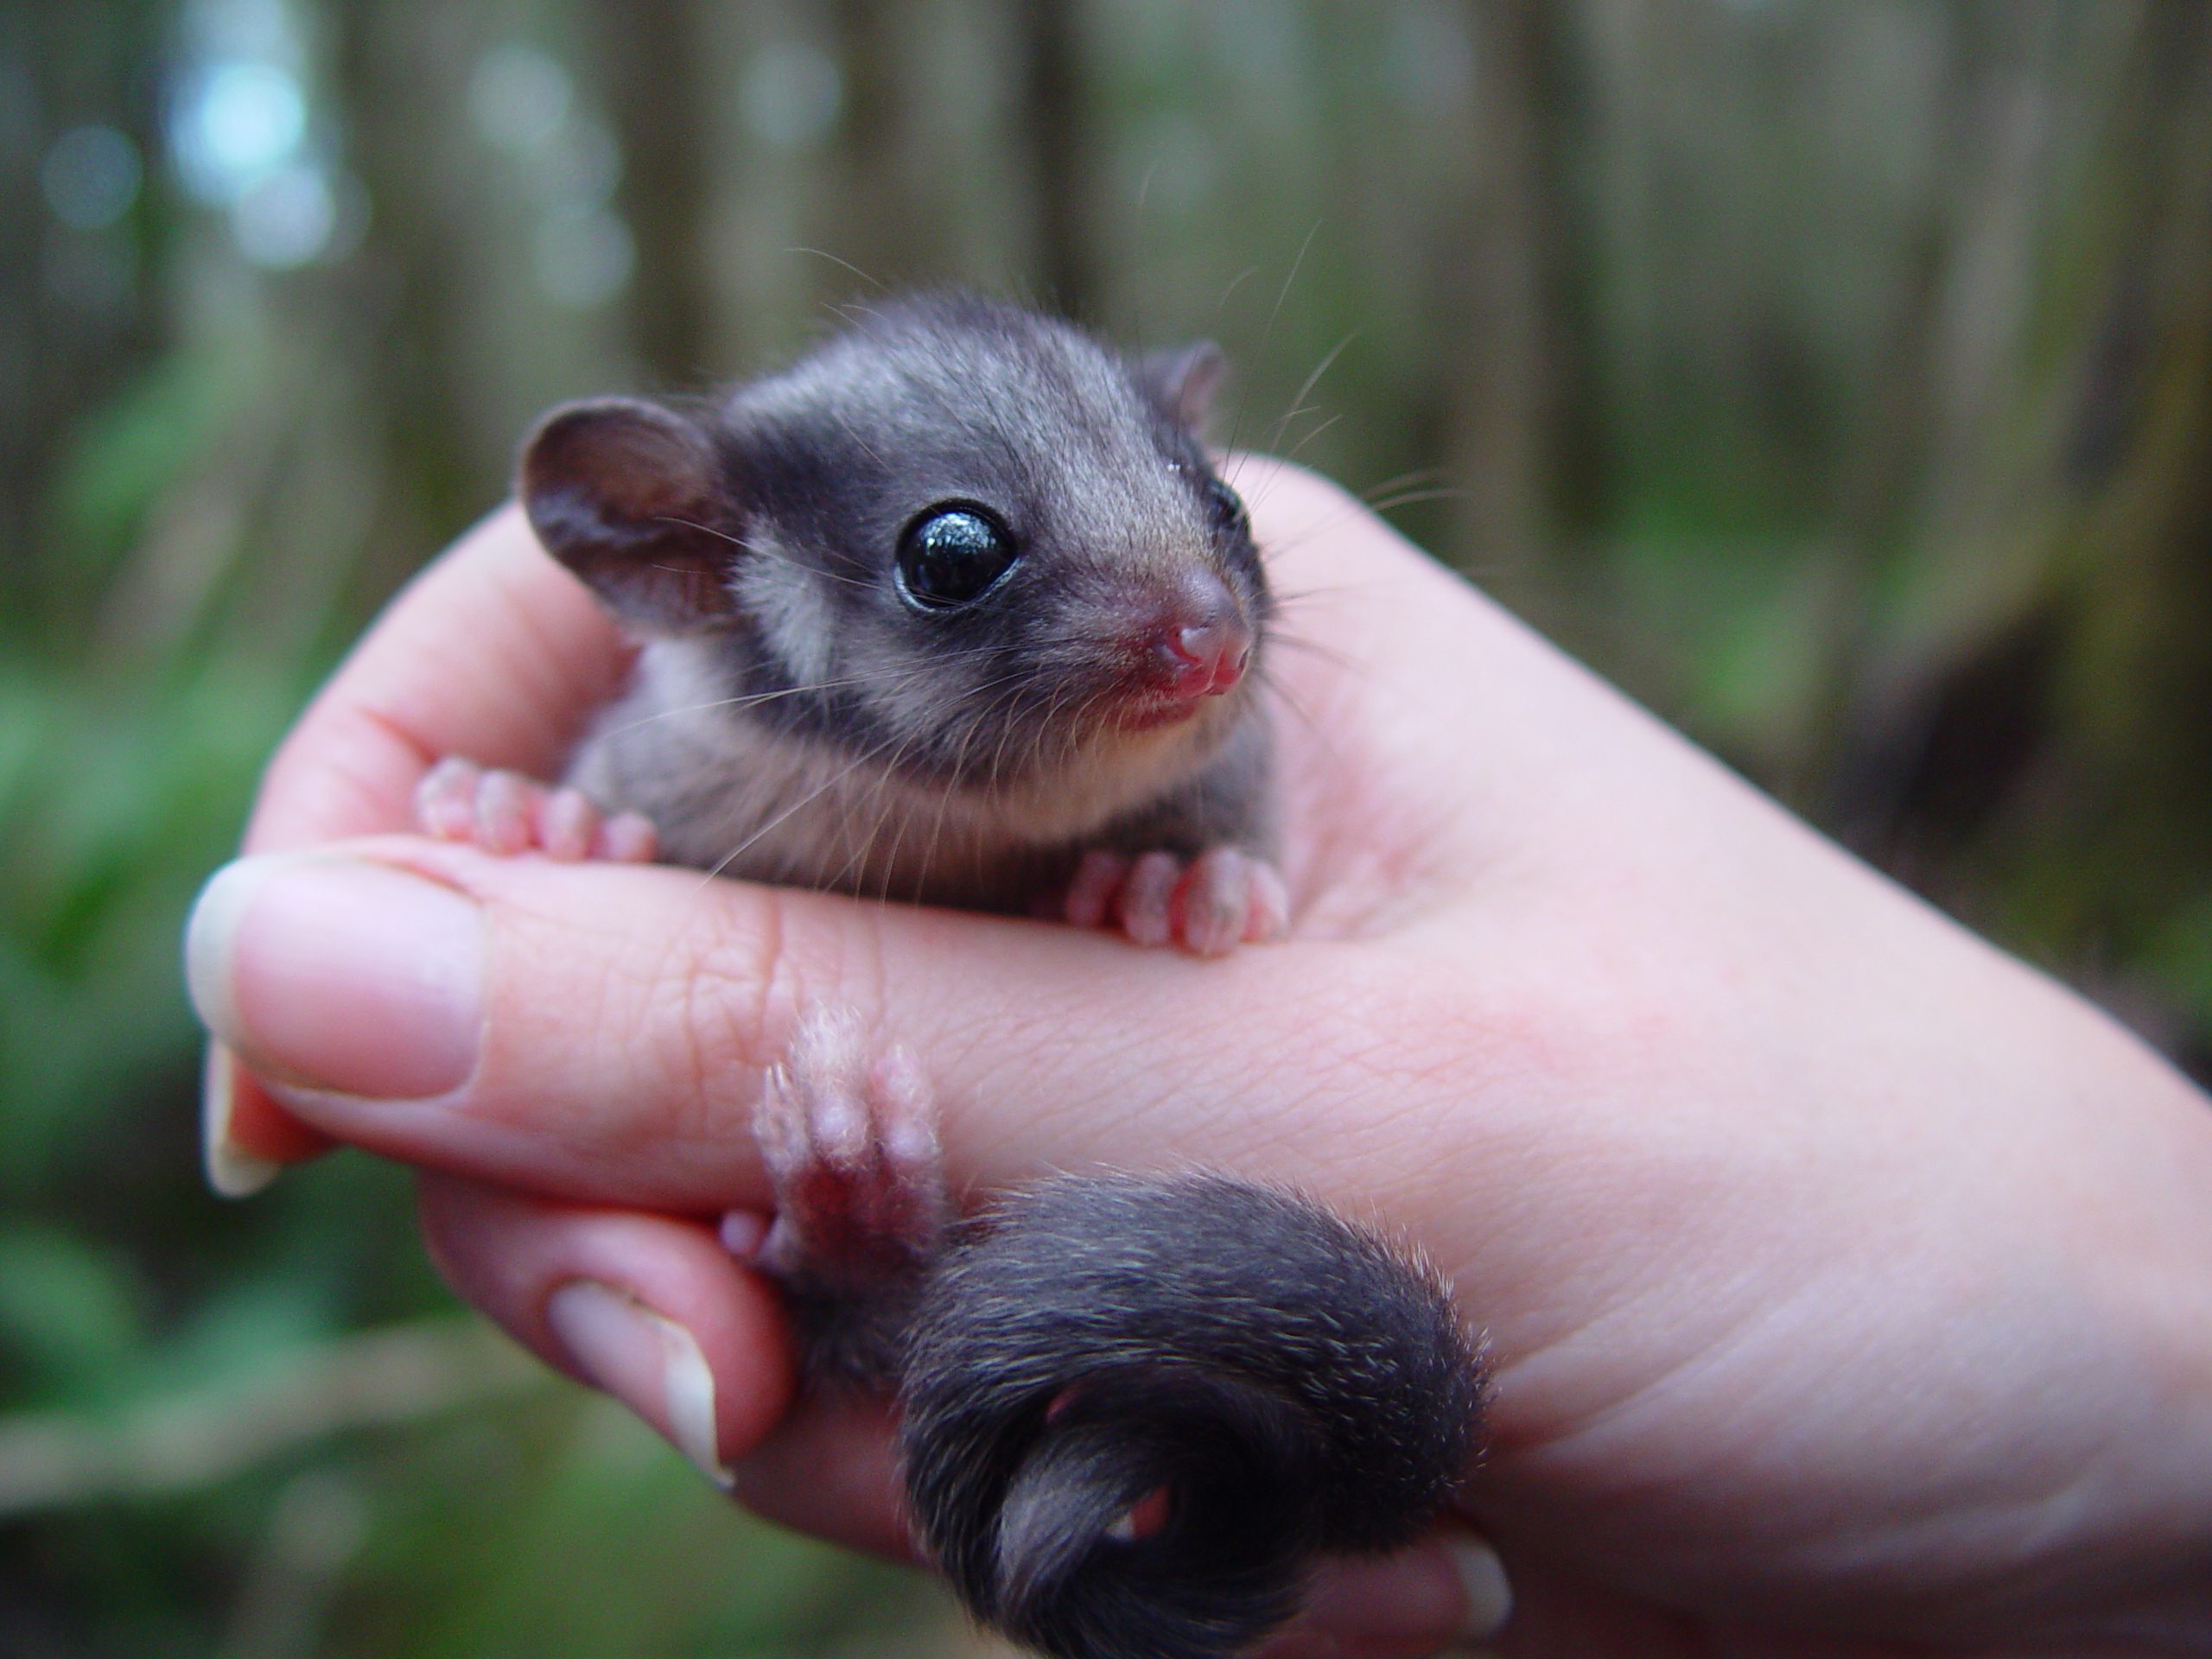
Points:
x=1182, y=381
x=627, y=494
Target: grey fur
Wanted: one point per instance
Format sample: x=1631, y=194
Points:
x=792, y=718
x=1298, y=1386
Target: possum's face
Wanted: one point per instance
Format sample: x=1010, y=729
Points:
x=962, y=542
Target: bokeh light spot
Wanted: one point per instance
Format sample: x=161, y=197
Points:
x=519, y=96
x=285, y=219
x=251, y=115
x=91, y=177
x=582, y=259
x=790, y=95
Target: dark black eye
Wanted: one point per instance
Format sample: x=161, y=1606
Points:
x=950, y=555
x=1227, y=508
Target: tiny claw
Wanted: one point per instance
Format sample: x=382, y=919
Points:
x=1269, y=919
x=1214, y=902
x=628, y=838
x=505, y=814
x=742, y=1232
x=568, y=825
x=445, y=799
x=1145, y=901
x=1098, y=877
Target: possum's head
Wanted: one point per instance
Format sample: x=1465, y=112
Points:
x=961, y=538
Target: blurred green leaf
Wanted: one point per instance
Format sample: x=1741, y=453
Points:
x=125, y=454
x=70, y=1315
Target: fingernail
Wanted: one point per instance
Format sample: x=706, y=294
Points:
x=1482, y=1580
x=649, y=1362
x=233, y=1170
x=338, y=973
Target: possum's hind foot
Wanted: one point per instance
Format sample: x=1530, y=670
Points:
x=505, y=813
x=1216, y=902
x=848, y=1136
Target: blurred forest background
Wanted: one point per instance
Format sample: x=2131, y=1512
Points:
x=1835, y=373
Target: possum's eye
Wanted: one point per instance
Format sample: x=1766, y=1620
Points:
x=1227, y=509
x=950, y=555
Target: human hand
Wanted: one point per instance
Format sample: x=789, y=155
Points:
x=1844, y=1277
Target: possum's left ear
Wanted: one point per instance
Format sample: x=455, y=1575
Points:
x=1182, y=380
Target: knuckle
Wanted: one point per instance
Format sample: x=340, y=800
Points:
x=722, y=995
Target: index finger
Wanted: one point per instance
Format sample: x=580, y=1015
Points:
x=494, y=652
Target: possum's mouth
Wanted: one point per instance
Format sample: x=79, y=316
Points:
x=1147, y=712
x=1150, y=713
x=1112, y=762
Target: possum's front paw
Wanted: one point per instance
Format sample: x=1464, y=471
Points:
x=1219, y=900
x=505, y=813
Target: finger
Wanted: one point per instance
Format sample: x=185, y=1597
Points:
x=650, y=1309
x=601, y=1032
x=494, y=652
x=1444, y=1594
x=830, y=1469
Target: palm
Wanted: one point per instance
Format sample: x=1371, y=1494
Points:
x=1774, y=1193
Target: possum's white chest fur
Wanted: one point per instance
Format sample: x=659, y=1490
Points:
x=731, y=794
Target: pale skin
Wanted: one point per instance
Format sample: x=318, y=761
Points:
x=1849, y=1284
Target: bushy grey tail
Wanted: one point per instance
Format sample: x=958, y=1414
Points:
x=1134, y=1410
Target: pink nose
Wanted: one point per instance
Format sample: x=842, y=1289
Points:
x=1203, y=660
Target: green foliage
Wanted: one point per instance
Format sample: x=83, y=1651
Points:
x=127, y=455
x=114, y=807
x=646, y=1558
x=73, y=1316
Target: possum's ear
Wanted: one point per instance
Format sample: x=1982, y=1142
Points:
x=1183, y=381
x=627, y=495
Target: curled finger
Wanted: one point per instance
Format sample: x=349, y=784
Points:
x=649, y=1308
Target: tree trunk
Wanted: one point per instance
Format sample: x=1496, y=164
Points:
x=1052, y=79
x=653, y=58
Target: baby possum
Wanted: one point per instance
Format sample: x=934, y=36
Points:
x=956, y=610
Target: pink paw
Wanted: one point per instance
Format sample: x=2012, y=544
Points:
x=850, y=1140
x=506, y=813
x=1220, y=900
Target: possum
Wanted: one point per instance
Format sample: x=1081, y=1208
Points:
x=956, y=610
